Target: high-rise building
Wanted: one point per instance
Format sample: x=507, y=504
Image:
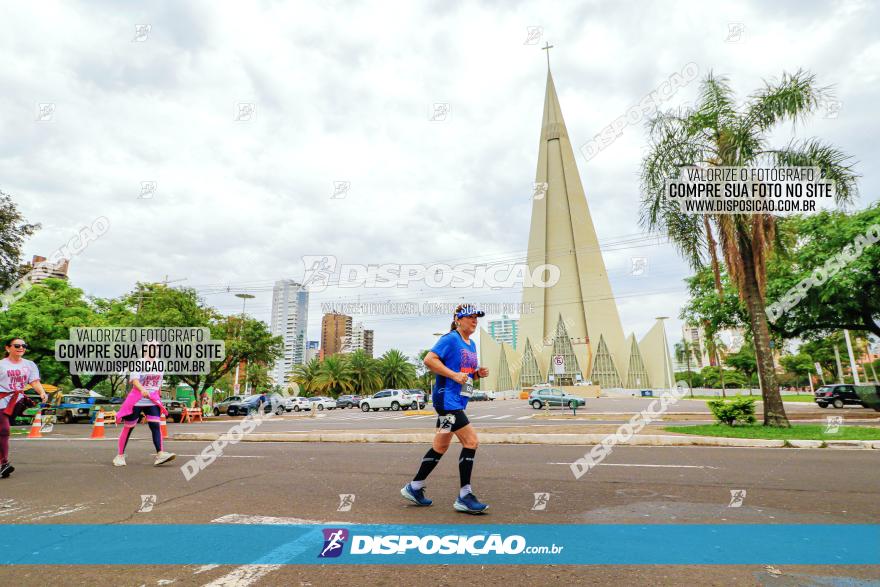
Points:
x=312, y=350
x=335, y=333
x=41, y=269
x=504, y=330
x=368, y=342
x=574, y=335
x=360, y=339
x=290, y=315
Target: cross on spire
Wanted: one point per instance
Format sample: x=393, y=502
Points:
x=547, y=47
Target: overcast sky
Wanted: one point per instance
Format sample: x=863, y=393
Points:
x=345, y=93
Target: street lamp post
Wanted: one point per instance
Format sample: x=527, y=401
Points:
x=244, y=298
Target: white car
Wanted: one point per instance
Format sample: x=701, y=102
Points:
x=323, y=403
x=299, y=404
x=389, y=399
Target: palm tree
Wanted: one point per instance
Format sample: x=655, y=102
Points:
x=719, y=133
x=685, y=349
x=364, y=372
x=334, y=376
x=304, y=375
x=397, y=372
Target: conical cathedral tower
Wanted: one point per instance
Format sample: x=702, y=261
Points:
x=562, y=235
x=574, y=334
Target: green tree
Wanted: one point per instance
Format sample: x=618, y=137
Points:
x=246, y=339
x=334, y=377
x=13, y=232
x=743, y=361
x=719, y=133
x=425, y=378
x=850, y=299
x=44, y=314
x=799, y=365
x=712, y=377
x=397, y=372
x=364, y=372
x=684, y=351
x=305, y=376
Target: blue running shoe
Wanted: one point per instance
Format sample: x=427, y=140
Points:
x=417, y=496
x=470, y=504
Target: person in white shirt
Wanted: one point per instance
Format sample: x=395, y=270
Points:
x=16, y=373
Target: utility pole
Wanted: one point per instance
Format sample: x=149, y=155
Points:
x=244, y=298
x=839, y=366
x=852, y=359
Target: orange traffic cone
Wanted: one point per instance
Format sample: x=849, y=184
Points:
x=36, y=426
x=163, y=427
x=98, y=428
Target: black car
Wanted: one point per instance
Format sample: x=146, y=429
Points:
x=250, y=405
x=348, y=401
x=837, y=395
x=481, y=396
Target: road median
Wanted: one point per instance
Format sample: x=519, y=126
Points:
x=510, y=437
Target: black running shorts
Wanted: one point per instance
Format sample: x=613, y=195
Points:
x=452, y=420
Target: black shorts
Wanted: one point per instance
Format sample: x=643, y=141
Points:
x=452, y=420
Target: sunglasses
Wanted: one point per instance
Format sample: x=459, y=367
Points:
x=19, y=346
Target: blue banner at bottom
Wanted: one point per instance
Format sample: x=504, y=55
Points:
x=604, y=544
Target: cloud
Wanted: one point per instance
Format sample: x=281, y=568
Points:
x=346, y=94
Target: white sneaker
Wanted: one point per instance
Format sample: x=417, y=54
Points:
x=119, y=461
x=163, y=457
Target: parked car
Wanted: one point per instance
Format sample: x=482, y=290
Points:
x=389, y=399
x=175, y=409
x=300, y=403
x=418, y=395
x=251, y=404
x=223, y=407
x=553, y=396
x=322, y=403
x=837, y=395
x=73, y=408
x=481, y=396
x=348, y=401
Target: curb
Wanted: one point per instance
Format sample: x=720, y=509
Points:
x=529, y=438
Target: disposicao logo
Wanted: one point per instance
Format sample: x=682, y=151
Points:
x=334, y=540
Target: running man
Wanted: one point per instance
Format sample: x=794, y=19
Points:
x=143, y=398
x=15, y=374
x=454, y=360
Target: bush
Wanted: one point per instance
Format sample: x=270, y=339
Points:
x=739, y=410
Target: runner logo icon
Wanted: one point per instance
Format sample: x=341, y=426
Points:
x=334, y=540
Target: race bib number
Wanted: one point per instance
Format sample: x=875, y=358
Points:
x=467, y=390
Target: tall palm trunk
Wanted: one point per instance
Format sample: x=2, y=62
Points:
x=774, y=412
x=713, y=254
x=687, y=354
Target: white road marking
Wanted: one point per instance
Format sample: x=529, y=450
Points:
x=502, y=417
x=204, y=568
x=642, y=465
x=229, y=456
x=60, y=511
x=248, y=519
x=249, y=574
x=525, y=417
x=483, y=417
x=243, y=576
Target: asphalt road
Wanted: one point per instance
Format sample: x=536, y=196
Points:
x=62, y=480
x=489, y=414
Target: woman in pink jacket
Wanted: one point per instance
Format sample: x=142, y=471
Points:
x=143, y=398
